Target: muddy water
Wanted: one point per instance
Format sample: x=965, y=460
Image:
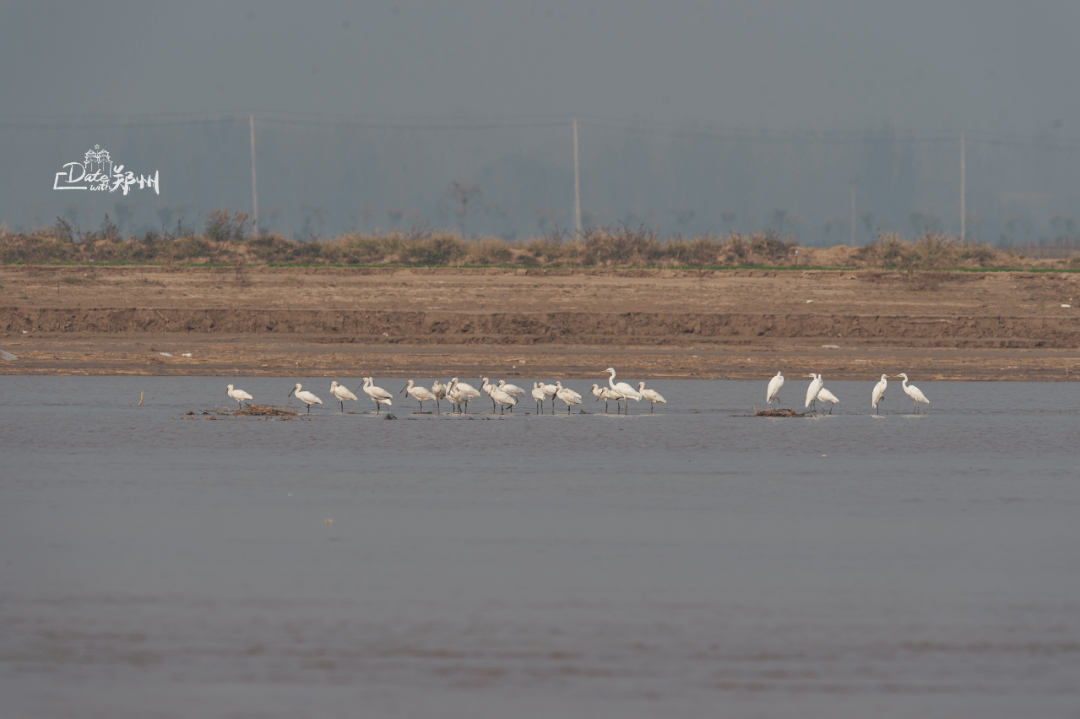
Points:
x=687, y=563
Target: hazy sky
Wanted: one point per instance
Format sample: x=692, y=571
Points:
x=791, y=64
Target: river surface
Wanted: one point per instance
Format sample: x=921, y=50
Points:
x=687, y=563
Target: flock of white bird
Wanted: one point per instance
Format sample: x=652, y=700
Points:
x=459, y=394
x=816, y=392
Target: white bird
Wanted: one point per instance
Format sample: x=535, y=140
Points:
x=567, y=395
x=652, y=395
x=464, y=393
x=814, y=388
x=342, y=393
x=879, y=392
x=420, y=394
x=238, y=394
x=440, y=393
x=539, y=395
x=622, y=388
x=304, y=396
x=774, y=388
x=549, y=392
x=488, y=389
x=498, y=396
x=824, y=396
x=914, y=392
x=607, y=394
x=511, y=389
x=378, y=395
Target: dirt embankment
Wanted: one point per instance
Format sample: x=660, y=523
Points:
x=678, y=323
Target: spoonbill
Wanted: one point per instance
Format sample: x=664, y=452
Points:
x=607, y=394
x=914, y=392
x=622, y=388
x=304, y=396
x=420, y=394
x=488, y=389
x=539, y=395
x=238, y=394
x=511, y=389
x=879, y=392
x=814, y=388
x=652, y=395
x=825, y=396
x=774, y=388
x=378, y=395
x=549, y=391
x=567, y=395
x=497, y=395
x=465, y=393
x=440, y=393
x=342, y=393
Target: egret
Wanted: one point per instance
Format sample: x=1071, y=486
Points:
x=465, y=392
x=652, y=395
x=814, y=388
x=378, y=395
x=607, y=394
x=549, y=392
x=879, y=392
x=567, y=395
x=824, y=396
x=914, y=392
x=238, y=394
x=622, y=388
x=440, y=393
x=304, y=396
x=774, y=388
x=420, y=394
x=539, y=396
x=342, y=393
x=511, y=389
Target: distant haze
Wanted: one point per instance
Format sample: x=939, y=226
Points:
x=696, y=117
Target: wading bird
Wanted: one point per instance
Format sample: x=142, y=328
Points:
x=440, y=393
x=238, y=394
x=511, y=389
x=342, y=393
x=567, y=395
x=825, y=396
x=502, y=398
x=464, y=393
x=813, y=389
x=879, y=392
x=539, y=396
x=652, y=395
x=607, y=394
x=623, y=389
x=549, y=392
x=914, y=392
x=774, y=388
x=304, y=396
x=378, y=395
x=420, y=394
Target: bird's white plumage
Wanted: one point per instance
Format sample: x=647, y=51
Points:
x=567, y=395
x=238, y=395
x=342, y=393
x=814, y=388
x=914, y=392
x=511, y=389
x=539, y=396
x=825, y=396
x=774, y=388
x=304, y=396
x=622, y=388
x=420, y=394
x=651, y=395
x=378, y=395
x=879, y=391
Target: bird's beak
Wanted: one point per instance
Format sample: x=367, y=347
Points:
x=403, y=389
x=290, y=392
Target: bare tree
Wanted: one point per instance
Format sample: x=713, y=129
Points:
x=462, y=193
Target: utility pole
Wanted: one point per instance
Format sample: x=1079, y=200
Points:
x=577, y=186
x=963, y=191
x=854, y=184
x=254, y=196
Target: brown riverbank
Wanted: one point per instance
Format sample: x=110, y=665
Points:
x=550, y=322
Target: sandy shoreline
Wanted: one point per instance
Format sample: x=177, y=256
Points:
x=296, y=322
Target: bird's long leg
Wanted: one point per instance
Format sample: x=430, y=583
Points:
x=651, y=407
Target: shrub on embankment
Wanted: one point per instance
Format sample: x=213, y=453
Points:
x=227, y=240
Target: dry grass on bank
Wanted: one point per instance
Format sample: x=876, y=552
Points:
x=226, y=243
